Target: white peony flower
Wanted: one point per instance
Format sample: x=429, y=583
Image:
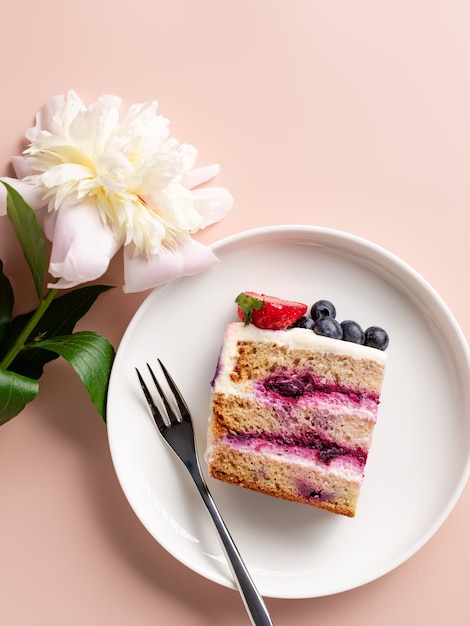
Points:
x=100, y=179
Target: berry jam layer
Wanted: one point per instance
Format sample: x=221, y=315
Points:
x=308, y=448
x=294, y=384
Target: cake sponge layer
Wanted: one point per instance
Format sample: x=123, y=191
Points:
x=299, y=418
x=282, y=474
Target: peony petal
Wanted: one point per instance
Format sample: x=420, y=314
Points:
x=48, y=220
x=45, y=117
x=82, y=246
x=32, y=194
x=48, y=110
x=200, y=175
x=110, y=101
x=21, y=166
x=142, y=272
x=213, y=203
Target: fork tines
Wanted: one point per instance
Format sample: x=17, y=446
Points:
x=176, y=411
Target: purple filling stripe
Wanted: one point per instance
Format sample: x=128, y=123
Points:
x=297, y=384
x=326, y=449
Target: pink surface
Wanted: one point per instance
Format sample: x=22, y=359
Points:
x=351, y=115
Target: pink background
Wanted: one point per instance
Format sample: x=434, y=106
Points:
x=351, y=115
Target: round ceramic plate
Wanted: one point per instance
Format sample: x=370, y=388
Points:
x=419, y=461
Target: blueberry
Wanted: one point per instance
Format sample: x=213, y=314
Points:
x=328, y=327
x=352, y=332
x=303, y=322
x=376, y=337
x=323, y=308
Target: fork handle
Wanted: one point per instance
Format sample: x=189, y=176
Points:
x=251, y=597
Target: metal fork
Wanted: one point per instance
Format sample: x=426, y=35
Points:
x=177, y=430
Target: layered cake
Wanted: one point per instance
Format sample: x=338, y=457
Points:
x=294, y=408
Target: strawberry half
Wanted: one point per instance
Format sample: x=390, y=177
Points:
x=268, y=312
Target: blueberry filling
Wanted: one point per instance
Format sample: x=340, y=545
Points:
x=316, y=495
x=326, y=449
x=311, y=492
x=297, y=384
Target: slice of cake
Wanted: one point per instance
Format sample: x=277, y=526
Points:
x=293, y=411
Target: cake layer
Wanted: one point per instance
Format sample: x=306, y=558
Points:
x=293, y=403
x=310, y=448
x=241, y=413
x=254, y=353
x=279, y=472
x=244, y=414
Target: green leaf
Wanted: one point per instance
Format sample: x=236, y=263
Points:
x=91, y=356
x=248, y=304
x=15, y=393
x=6, y=303
x=30, y=235
x=59, y=319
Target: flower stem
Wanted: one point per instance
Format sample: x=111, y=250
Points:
x=23, y=336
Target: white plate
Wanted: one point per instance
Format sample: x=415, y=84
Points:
x=419, y=460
